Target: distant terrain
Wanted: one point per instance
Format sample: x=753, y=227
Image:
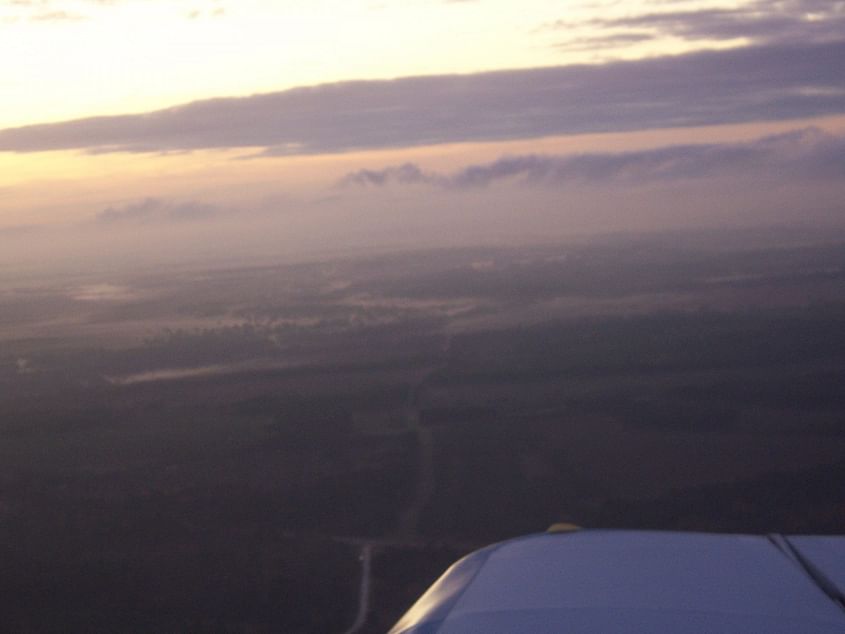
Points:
x=211, y=449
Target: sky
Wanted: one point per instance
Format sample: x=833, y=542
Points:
x=156, y=129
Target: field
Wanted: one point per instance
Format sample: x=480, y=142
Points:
x=212, y=450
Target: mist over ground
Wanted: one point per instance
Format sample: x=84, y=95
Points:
x=301, y=302
x=218, y=442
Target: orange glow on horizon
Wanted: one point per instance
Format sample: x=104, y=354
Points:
x=59, y=187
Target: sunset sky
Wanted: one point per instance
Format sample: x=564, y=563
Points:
x=287, y=127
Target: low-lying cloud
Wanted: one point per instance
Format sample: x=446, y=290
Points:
x=405, y=174
x=803, y=154
x=151, y=210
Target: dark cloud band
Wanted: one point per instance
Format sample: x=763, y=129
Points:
x=713, y=87
x=808, y=154
x=760, y=21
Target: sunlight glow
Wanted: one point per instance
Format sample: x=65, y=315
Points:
x=94, y=58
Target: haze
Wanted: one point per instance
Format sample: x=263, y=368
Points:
x=147, y=130
x=300, y=301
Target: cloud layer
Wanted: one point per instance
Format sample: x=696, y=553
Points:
x=802, y=154
x=746, y=84
x=759, y=21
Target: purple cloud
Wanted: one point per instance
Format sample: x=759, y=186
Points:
x=774, y=82
x=150, y=210
x=405, y=174
x=761, y=21
x=806, y=154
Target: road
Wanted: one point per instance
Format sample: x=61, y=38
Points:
x=364, y=589
x=409, y=520
x=408, y=528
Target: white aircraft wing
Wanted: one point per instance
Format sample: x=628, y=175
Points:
x=606, y=582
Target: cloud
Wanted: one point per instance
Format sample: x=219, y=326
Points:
x=702, y=88
x=196, y=14
x=612, y=40
x=19, y=230
x=804, y=154
x=149, y=210
x=759, y=21
x=57, y=16
x=64, y=10
x=406, y=174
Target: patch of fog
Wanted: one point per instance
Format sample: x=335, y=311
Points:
x=168, y=374
x=299, y=322
x=447, y=307
x=571, y=308
x=102, y=293
x=736, y=278
x=483, y=265
x=176, y=374
x=337, y=285
x=24, y=366
x=556, y=259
